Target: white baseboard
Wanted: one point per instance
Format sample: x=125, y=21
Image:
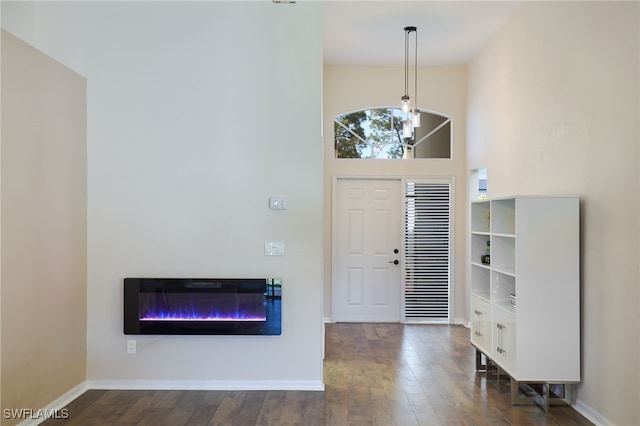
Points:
x=246, y=385
x=592, y=415
x=458, y=321
x=55, y=407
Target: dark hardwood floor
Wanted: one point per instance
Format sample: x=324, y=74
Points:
x=375, y=374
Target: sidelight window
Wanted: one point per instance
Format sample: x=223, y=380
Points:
x=427, y=251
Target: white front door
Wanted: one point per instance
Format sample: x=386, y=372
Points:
x=367, y=251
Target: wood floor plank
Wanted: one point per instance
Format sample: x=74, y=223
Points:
x=374, y=374
x=250, y=408
x=228, y=408
x=202, y=414
x=136, y=410
x=293, y=408
x=271, y=410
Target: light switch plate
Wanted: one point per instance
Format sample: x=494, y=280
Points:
x=277, y=203
x=274, y=248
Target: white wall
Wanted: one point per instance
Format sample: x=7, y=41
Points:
x=553, y=108
x=190, y=109
x=441, y=89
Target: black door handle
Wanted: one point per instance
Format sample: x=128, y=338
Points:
x=395, y=262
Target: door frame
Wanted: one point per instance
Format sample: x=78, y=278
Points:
x=402, y=179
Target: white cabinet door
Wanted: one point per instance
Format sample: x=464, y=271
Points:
x=504, y=339
x=481, y=323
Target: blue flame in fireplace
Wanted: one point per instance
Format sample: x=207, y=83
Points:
x=201, y=306
x=193, y=315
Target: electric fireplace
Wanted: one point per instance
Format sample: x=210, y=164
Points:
x=202, y=306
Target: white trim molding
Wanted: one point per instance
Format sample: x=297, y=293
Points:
x=55, y=408
x=592, y=415
x=236, y=385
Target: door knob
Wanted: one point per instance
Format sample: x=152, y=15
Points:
x=395, y=262
x=396, y=251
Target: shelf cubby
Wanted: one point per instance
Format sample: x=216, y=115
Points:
x=502, y=286
x=479, y=248
x=480, y=216
x=503, y=254
x=503, y=216
x=481, y=280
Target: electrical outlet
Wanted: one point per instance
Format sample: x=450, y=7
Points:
x=131, y=346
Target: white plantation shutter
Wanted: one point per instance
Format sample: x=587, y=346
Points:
x=427, y=249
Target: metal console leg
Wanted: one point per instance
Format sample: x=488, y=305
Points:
x=480, y=367
x=540, y=393
x=503, y=377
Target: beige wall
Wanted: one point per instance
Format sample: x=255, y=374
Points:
x=443, y=90
x=553, y=109
x=43, y=281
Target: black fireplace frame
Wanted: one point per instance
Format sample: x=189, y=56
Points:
x=269, y=288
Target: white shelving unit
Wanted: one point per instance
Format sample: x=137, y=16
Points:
x=525, y=303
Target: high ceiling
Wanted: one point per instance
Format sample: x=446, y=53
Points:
x=358, y=32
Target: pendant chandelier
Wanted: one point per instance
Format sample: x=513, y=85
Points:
x=411, y=118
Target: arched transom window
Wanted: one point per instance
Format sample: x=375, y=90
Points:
x=377, y=133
